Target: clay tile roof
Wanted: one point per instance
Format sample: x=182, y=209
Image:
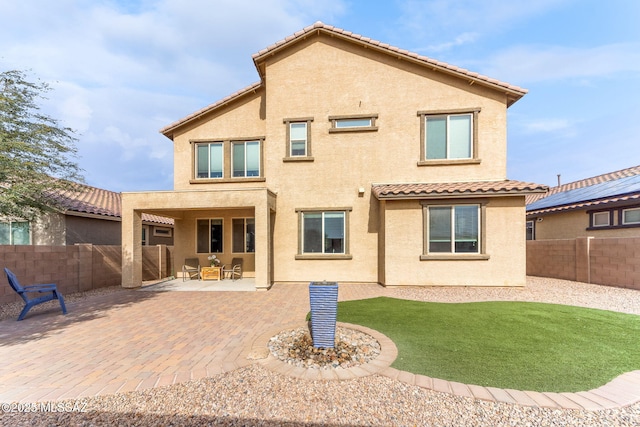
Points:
x=612, y=187
x=96, y=201
x=320, y=26
x=455, y=189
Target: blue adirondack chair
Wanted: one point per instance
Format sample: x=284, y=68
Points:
x=50, y=289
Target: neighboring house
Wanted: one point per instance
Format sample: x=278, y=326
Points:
x=91, y=215
x=350, y=161
x=602, y=206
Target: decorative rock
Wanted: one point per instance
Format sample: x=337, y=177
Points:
x=352, y=348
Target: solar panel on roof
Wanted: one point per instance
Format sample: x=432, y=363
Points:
x=601, y=190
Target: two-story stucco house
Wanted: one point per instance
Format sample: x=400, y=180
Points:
x=350, y=161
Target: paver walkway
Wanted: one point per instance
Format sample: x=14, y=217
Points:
x=134, y=340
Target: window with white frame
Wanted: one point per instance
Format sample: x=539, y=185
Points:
x=453, y=229
x=209, y=233
x=297, y=139
x=631, y=216
x=209, y=160
x=448, y=137
x=15, y=233
x=601, y=219
x=245, y=158
x=243, y=235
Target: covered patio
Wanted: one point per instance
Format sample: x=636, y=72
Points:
x=185, y=207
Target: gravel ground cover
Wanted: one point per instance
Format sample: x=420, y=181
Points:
x=254, y=396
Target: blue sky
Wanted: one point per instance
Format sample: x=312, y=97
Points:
x=122, y=70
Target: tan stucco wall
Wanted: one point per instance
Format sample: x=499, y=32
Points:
x=327, y=78
x=323, y=77
x=572, y=224
x=505, y=245
x=242, y=119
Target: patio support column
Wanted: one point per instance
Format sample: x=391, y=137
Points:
x=131, y=245
x=263, y=244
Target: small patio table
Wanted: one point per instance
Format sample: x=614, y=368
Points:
x=211, y=273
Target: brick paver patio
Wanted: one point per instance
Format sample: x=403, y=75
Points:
x=134, y=340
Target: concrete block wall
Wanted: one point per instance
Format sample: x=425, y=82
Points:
x=76, y=268
x=604, y=261
x=552, y=258
x=616, y=261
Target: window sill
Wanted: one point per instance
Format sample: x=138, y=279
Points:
x=354, y=129
x=226, y=180
x=613, y=227
x=449, y=162
x=455, y=257
x=324, y=256
x=298, y=159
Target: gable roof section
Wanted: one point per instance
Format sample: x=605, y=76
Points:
x=98, y=202
x=613, y=187
x=455, y=189
x=513, y=93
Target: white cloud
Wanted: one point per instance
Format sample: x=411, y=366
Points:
x=121, y=70
x=527, y=64
x=547, y=126
x=460, y=40
x=443, y=24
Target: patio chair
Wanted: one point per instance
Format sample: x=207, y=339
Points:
x=234, y=271
x=50, y=289
x=191, y=269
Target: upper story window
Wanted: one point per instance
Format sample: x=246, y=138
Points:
x=298, y=139
x=448, y=136
x=209, y=160
x=246, y=158
x=355, y=123
x=228, y=161
x=15, y=233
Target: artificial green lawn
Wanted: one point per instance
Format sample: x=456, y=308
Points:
x=517, y=345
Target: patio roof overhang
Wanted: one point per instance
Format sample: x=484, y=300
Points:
x=421, y=191
x=174, y=204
